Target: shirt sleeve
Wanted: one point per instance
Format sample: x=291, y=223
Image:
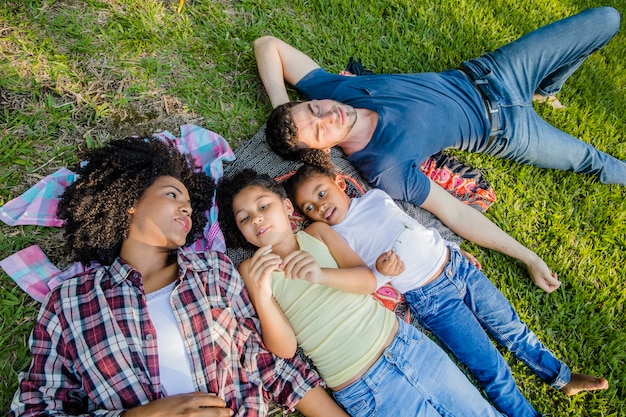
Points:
x=320, y=84
x=404, y=182
x=48, y=386
x=284, y=381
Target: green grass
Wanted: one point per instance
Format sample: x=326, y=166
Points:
x=74, y=74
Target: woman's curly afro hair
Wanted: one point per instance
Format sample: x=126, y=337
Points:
x=95, y=208
x=227, y=190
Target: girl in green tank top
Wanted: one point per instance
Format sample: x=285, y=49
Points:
x=310, y=289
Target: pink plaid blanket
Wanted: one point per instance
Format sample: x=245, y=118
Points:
x=31, y=269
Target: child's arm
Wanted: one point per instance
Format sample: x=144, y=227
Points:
x=276, y=330
x=353, y=275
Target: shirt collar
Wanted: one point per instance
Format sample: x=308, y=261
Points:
x=120, y=271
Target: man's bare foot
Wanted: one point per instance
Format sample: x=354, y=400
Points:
x=550, y=101
x=582, y=382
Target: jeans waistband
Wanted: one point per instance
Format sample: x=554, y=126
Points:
x=493, y=110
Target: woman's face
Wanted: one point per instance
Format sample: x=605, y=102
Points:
x=162, y=216
x=262, y=216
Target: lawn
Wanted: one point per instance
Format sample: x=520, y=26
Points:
x=74, y=74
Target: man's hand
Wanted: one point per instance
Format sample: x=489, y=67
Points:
x=542, y=276
x=194, y=404
x=390, y=264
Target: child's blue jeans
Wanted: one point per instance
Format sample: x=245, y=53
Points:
x=460, y=307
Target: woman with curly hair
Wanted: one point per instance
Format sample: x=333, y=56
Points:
x=152, y=329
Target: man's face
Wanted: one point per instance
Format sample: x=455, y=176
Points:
x=323, y=199
x=323, y=124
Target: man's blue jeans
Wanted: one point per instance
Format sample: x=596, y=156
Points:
x=541, y=61
x=459, y=307
x=414, y=377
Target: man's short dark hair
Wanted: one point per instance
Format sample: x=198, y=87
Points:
x=281, y=134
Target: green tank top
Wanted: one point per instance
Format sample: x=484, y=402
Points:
x=340, y=332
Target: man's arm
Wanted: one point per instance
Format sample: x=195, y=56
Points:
x=473, y=225
x=278, y=62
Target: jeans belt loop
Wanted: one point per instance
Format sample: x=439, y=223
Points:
x=493, y=111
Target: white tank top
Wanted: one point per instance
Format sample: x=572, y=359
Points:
x=174, y=364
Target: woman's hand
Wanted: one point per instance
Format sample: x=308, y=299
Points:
x=194, y=404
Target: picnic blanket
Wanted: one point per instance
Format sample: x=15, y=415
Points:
x=465, y=183
x=31, y=269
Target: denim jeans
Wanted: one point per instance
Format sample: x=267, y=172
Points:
x=541, y=61
x=414, y=377
x=459, y=307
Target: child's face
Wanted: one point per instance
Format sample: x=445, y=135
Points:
x=323, y=199
x=162, y=216
x=262, y=216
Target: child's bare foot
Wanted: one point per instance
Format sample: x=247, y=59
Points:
x=550, y=101
x=582, y=382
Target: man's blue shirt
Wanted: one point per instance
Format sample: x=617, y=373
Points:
x=418, y=115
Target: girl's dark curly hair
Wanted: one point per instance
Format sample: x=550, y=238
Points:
x=227, y=190
x=95, y=208
x=281, y=134
x=303, y=173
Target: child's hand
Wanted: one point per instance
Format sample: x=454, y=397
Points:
x=262, y=263
x=472, y=259
x=301, y=265
x=390, y=264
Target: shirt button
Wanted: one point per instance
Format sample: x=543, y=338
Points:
x=149, y=337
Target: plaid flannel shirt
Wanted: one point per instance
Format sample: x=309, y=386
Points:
x=95, y=349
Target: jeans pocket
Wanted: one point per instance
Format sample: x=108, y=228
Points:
x=423, y=305
x=363, y=407
x=497, y=147
x=360, y=401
